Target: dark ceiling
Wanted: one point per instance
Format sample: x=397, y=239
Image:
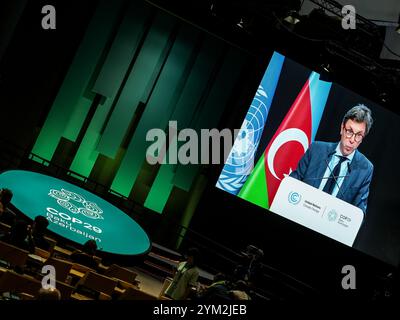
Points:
x=317, y=40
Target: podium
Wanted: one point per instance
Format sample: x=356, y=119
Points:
x=317, y=210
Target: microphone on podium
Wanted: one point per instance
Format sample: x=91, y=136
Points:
x=331, y=176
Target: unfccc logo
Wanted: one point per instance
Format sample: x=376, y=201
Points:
x=70, y=201
x=294, y=197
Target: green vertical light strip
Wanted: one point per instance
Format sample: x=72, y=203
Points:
x=122, y=51
x=97, y=45
x=212, y=111
x=109, y=80
x=72, y=90
x=86, y=155
x=77, y=117
x=197, y=82
x=161, y=189
x=158, y=109
x=186, y=106
x=195, y=197
x=133, y=92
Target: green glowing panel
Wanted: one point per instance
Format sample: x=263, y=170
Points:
x=195, y=197
x=93, y=46
x=161, y=189
x=185, y=108
x=141, y=77
x=74, y=213
x=86, y=155
x=212, y=110
x=197, y=82
x=68, y=101
x=122, y=51
x=77, y=118
x=158, y=109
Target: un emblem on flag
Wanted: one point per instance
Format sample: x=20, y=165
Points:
x=294, y=197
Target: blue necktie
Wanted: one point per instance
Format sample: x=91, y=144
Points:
x=332, y=180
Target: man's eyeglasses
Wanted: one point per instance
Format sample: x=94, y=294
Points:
x=349, y=134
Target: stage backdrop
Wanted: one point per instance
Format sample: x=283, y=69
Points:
x=136, y=68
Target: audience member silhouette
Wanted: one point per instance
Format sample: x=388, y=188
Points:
x=6, y=216
x=49, y=294
x=86, y=256
x=250, y=268
x=219, y=290
x=18, y=236
x=37, y=232
x=240, y=291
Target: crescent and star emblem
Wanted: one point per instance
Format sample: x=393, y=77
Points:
x=292, y=134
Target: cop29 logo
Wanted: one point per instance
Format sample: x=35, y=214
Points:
x=294, y=197
x=332, y=215
x=75, y=203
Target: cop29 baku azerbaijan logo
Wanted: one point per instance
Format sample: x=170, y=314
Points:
x=332, y=215
x=294, y=197
x=75, y=203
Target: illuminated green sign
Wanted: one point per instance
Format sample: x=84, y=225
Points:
x=75, y=213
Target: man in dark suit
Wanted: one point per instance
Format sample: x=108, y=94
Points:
x=339, y=168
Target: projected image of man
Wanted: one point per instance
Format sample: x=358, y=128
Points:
x=339, y=168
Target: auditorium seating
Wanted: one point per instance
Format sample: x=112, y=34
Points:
x=117, y=272
x=62, y=267
x=76, y=281
x=13, y=256
x=95, y=285
x=167, y=282
x=42, y=253
x=17, y=283
x=82, y=268
x=4, y=228
x=65, y=289
x=52, y=243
